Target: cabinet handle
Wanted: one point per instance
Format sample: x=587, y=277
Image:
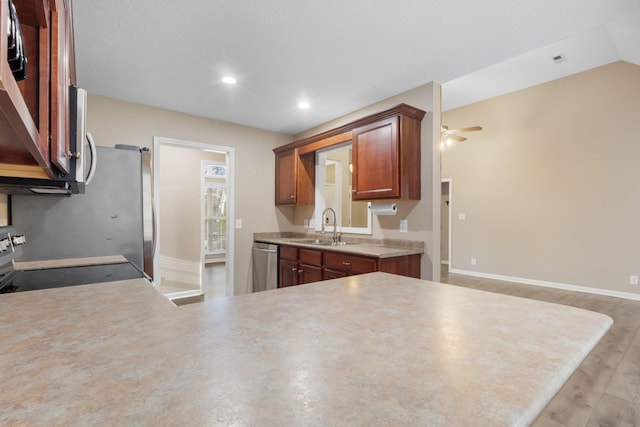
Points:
x=293, y=270
x=353, y=190
x=291, y=196
x=346, y=263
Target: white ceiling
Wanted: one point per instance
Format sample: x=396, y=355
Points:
x=339, y=55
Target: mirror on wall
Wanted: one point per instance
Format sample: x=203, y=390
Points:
x=333, y=190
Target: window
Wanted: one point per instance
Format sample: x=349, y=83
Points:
x=215, y=207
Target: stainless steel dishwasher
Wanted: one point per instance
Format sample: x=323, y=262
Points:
x=265, y=266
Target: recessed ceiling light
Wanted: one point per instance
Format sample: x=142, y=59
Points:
x=229, y=80
x=303, y=105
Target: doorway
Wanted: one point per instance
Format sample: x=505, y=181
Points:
x=193, y=198
x=445, y=223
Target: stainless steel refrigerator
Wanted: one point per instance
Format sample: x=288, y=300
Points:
x=113, y=217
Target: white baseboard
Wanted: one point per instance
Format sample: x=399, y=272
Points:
x=564, y=286
x=183, y=294
x=180, y=270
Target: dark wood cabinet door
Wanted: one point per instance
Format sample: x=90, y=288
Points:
x=328, y=274
x=376, y=171
x=289, y=252
x=310, y=257
x=295, y=178
x=408, y=265
x=60, y=81
x=288, y=273
x=34, y=119
x=349, y=264
x=309, y=274
x=286, y=166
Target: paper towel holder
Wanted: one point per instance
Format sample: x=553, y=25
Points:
x=383, y=208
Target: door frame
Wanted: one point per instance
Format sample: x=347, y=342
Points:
x=230, y=154
x=448, y=181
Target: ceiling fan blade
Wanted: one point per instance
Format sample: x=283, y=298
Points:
x=467, y=129
x=457, y=138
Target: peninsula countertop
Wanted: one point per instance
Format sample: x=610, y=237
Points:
x=373, y=349
x=375, y=248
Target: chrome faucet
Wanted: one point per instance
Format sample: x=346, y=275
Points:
x=335, y=227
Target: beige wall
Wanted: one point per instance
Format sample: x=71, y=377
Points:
x=421, y=215
x=551, y=186
x=180, y=198
x=117, y=122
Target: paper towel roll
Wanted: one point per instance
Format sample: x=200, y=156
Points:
x=384, y=208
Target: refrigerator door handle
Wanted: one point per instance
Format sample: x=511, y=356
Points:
x=94, y=159
x=154, y=226
x=150, y=220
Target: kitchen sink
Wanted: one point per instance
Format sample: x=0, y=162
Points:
x=320, y=242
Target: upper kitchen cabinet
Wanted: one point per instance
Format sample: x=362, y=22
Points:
x=63, y=74
x=34, y=106
x=294, y=177
x=386, y=157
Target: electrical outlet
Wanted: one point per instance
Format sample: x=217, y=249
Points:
x=306, y=223
x=473, y=261
x=238, y=224
x=404, y=225
x=633, y=280
x=462, y=216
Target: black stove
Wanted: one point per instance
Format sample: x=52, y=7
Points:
x=12, y=280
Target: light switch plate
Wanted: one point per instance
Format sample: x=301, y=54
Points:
x=404, y=226
x=238, y=223
x=462, y=216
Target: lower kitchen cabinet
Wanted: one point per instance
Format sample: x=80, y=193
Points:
x=288, y=273
x=309, y=274
x=340, y=265
x=300, y=265
x=408, y=265
x=332, y=274
x=310, y=263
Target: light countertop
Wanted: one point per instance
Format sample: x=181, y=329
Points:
x=373, y=349
x=391, y=249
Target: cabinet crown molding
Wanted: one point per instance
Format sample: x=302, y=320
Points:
x=400, y=109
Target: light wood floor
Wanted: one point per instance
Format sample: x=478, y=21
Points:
x=605, y=389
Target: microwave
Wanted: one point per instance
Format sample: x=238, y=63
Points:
x=82, y=164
